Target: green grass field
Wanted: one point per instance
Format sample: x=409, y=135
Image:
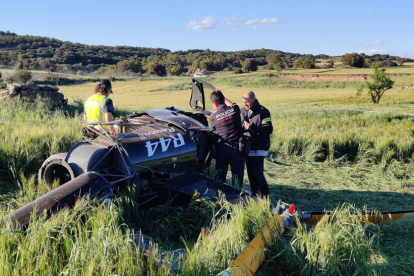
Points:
x=324, y=153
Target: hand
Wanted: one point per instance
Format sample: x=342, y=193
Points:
x=247, y=125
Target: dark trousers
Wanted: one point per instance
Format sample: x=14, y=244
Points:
x=230, y=155
x=255, y=171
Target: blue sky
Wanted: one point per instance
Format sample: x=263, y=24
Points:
x=305, y=27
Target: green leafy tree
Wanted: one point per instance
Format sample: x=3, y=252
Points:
x=272, y=59
x=176, y=70
x=132, y=65
x=278, y=67
x=156, y=69
x=196, y=65
x=380, y=83
x=354, y=60
x=304, y=63
x=249, y=65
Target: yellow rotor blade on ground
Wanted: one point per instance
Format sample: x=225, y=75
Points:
x=248, y=262
x=377, y=218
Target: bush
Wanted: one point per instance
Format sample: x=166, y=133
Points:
x=381, y=83
x=304, y=63
x=238, y=71
x=176, y=70
x=21, y=76
x=278, y=67
x=354, y=60
x=51, y=78
x=249, y=65
x=156, y=69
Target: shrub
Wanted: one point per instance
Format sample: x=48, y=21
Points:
x=381, y=83
x=51, y=78
x=238, y=71
x=278, y=67
x=21, y=76
x=249, y=65
x=354, y=60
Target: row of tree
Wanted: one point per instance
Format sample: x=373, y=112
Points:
x=43, y=53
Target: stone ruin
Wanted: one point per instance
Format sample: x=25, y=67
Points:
x=30, y=92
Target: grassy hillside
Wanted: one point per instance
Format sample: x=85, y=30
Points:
x=324, y=153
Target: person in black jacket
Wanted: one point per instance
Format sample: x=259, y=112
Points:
x=227, y=123
x=258, y=125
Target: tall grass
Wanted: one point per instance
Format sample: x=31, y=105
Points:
x=85, y=240
x=89, y=240
x=340, y=244
x=266, y=81
x=319, y=133
x=30, y=133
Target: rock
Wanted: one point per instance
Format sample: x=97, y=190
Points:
x=30, y=92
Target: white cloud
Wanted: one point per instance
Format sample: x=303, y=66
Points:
x=263, y=21
x=232, y=21
x=376, y=51
x=255, y=21
x=270, y=20
x=206, y=23
x=378, y=41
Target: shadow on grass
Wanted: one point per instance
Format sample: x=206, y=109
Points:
x=319, y=199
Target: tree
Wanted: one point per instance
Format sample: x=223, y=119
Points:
x=381, y=83
x=176, y=70
x=156, y=69
x=132, y=65
x=249, y=65
x=278, y=67
x=354, y=60
x=304, y=63
x=272, y=59
x=400, y=61
x=330, y=64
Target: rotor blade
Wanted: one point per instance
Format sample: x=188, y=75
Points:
x=374, y=217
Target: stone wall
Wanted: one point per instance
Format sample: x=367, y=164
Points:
x=30, y=92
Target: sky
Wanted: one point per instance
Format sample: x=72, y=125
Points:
x=332, y=27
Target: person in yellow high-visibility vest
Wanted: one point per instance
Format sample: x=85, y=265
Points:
x=99, y=108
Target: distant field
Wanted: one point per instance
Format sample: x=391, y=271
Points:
x=137, y=95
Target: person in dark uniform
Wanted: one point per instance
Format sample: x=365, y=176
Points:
x=226, y=121
x=258, y=125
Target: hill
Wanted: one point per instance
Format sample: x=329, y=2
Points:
x=44, y=53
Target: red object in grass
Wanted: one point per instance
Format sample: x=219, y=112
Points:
x=292, y=208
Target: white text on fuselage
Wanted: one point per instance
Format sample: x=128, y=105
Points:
x=165, y=143
x=142, y=135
